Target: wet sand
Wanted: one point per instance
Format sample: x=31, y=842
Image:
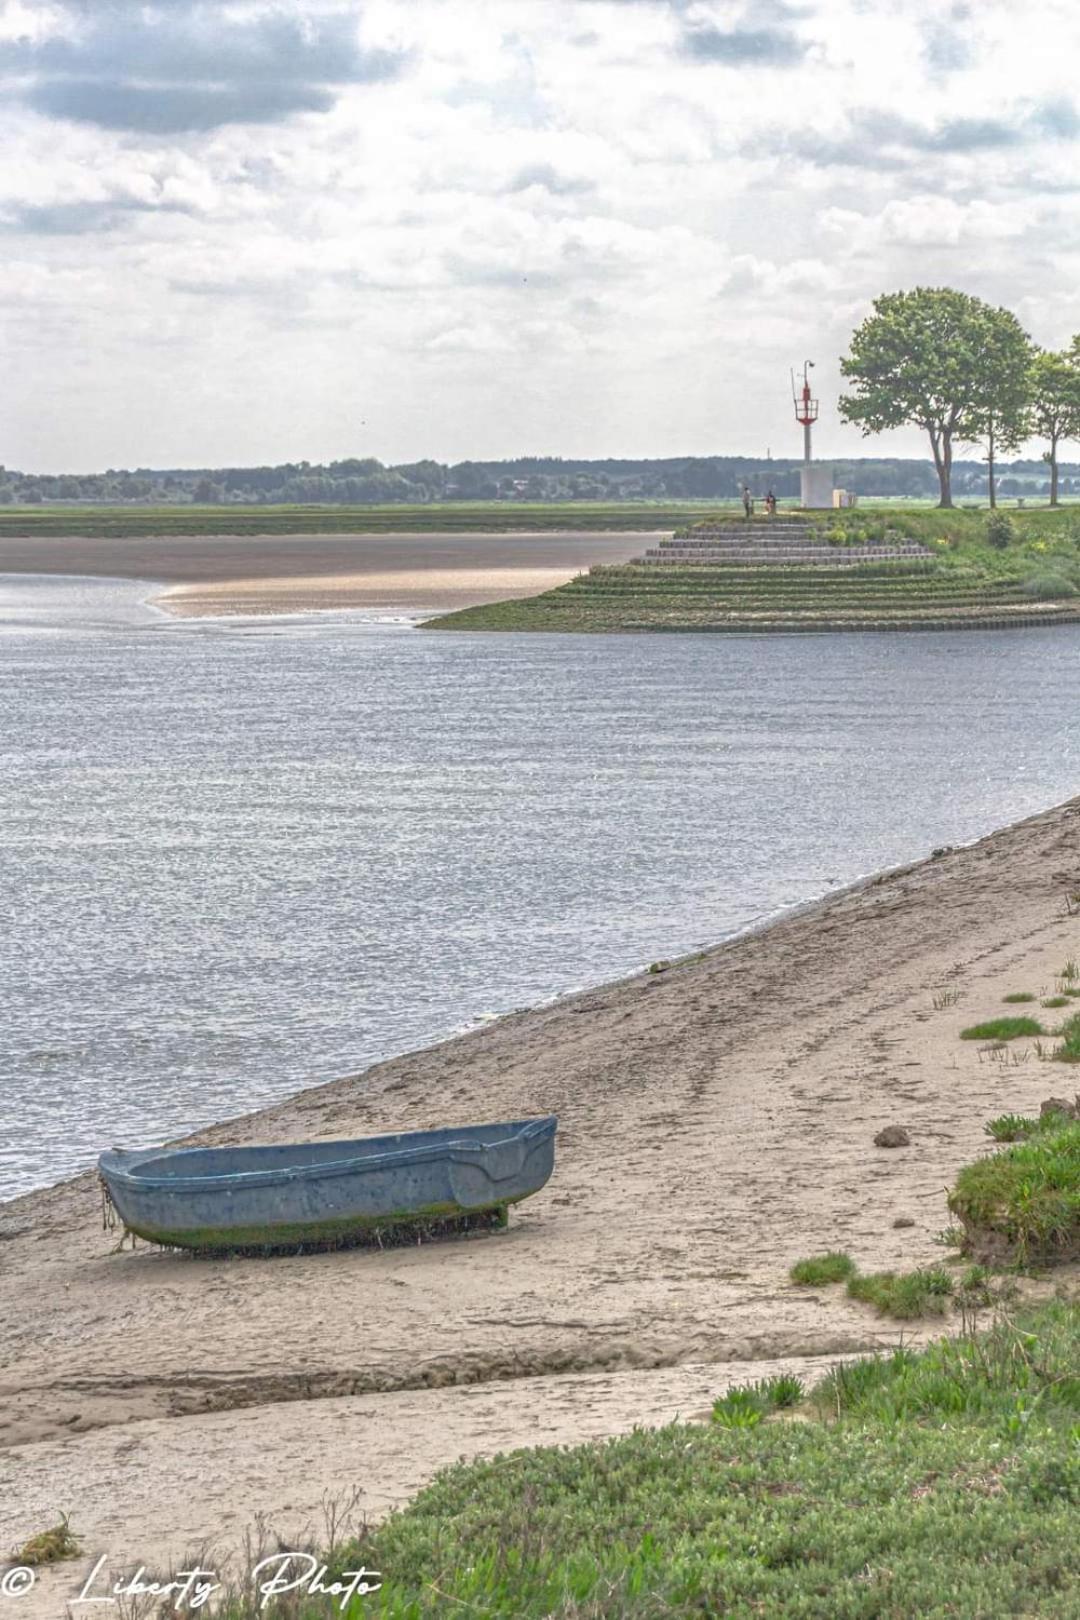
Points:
x=716, y=1123
x=408, y=573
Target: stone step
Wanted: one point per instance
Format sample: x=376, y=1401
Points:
x=741, y=542
x=778, y=526
x=823, y=553
x=764, y=542
x=780, y=556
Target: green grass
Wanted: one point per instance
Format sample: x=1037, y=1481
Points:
x=1023, y=1203
x=818, y=1270
x=1011, y=1127
x=1033, y=1360
x=962, y=582
x=943, y=1484
x=904, y=1295
x=746, y=1405
x=1056, y=1001
x=1069, y=1050
x=1020, y=995
x=1002, y=1029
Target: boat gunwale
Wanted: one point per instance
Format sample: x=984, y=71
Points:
x=111, y=1167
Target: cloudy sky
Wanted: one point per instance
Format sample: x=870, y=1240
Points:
x=280, y=229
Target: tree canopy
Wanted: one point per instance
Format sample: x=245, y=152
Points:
x=1054, y=386
x=943, y=361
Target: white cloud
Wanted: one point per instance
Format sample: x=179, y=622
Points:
x=597, y=226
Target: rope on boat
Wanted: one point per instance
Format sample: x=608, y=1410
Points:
x=111, y=1217
x=108, y=1208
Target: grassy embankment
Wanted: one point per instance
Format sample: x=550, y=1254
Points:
x=1035, y=578
x=446, y=517
x=941, y=1483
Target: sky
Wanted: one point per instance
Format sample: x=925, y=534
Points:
x=275, y=230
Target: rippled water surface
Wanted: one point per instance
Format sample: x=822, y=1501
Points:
x=237, y=858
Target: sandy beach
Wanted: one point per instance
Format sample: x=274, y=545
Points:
x=406, y=573
x=716, y=1123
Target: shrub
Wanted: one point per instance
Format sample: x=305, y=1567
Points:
x=1002, y=1029
x=1000, y=530
x=1048, y=587
x=821, y=1269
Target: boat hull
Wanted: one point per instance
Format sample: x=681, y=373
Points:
x=321, y=1194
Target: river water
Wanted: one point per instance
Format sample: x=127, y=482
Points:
x=238, y=857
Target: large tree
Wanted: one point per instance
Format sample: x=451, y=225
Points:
x=1055, y=403
x=940, y=360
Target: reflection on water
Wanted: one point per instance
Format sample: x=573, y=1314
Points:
x=241, y=857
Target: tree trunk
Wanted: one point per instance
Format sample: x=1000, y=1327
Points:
x=945, y=470
x=1053, y=471
x=942, y=448
x=990, y=465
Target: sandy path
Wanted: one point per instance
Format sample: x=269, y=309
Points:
x=716, y=1123
x=298, y=573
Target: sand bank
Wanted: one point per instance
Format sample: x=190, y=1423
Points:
x=298, y=573
x=717, y=1122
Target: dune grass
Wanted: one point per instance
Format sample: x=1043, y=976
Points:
x=1020, y=995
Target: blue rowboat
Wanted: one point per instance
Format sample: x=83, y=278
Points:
x=320, y=1194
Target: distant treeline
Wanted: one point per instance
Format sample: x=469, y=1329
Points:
x=530, y=478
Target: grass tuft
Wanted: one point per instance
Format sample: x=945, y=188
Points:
x=1069, y=1050
x=1020, y=995
x=1011, y=1127
x=740, y=1408
x=746, y=1405
x=905, y=1295
x=818, y=1270
x=49, y=1546
x=1002, y=1029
